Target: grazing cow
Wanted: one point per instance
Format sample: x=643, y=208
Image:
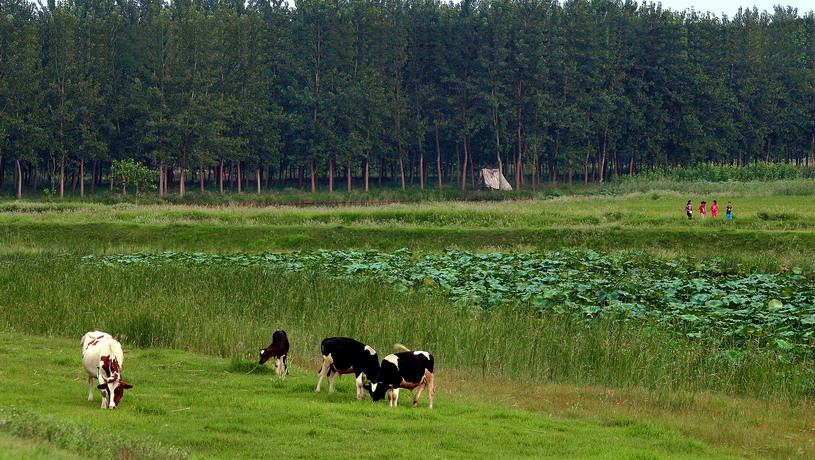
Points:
x=102, y=358
x=279, y=349
x=409, y=369
x=342, y=355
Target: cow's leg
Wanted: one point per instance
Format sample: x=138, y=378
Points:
x=90, y=388
x=419, y=391
x=286, y=364
x=431, y=386
x=360, y=391
x=395, y=397
x=278, y=365
x=101, y=381
x=331, y=376
x=323, y=370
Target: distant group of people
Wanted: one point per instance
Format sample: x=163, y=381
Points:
x=714, y=209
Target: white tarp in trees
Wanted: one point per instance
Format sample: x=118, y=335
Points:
x=493, y=179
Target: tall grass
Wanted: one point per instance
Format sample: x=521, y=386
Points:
x=232, y=312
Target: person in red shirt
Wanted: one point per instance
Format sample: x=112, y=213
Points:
x=714, y=208
x=703, y=209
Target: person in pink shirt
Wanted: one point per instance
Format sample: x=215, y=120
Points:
x=703, y=210
x=714, y=208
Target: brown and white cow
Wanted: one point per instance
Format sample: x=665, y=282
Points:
x=342, y=355
x=102, y=358
x=409, y=369
x=279, y=349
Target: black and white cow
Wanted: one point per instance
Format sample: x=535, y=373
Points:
x=342, y=355
x=409, y=369
x=279, y=349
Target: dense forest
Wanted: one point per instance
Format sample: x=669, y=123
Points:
x=345, y=93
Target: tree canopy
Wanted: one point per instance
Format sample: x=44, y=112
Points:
x=234, y=92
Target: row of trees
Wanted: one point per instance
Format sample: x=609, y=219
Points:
x=231, y=92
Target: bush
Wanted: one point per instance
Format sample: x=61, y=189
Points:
x=714, y=173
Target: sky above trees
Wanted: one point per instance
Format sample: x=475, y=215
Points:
x=730, y=7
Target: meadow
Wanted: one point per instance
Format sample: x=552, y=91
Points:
x=62, y=264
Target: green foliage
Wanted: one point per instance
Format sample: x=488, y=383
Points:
x=570, y=91
x=701, y=300
x=754, y=172
x=133, y=174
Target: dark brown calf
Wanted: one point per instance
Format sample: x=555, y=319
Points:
x=279, y=349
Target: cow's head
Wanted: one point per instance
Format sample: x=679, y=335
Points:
x=116, y=389
x=113, y=388
x=377, y=390
x=264, y=355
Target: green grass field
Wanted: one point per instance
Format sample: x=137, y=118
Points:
x=767, y=232
x=186, y=404
x=544, y=386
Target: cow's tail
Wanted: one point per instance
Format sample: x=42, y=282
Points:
x=401, y=347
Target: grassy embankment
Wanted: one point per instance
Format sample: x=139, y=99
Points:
x=186, y=404
x=768, y=230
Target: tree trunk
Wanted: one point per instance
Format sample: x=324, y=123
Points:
x=767, y=154
x=221, y=177
x=313, y=179
x=519, y=170
x=330, y=175
x=438, y=156
x=82, y=177
x=2, y=169
x=34, y=180
x=181, y=183
x=19, y=179
x=464, y=163
x=161, y=189
x=602, y=159
x=348, y=174
x=472, y=172
x=93, y=177
x=421, y=171
x=240, y=189
x=258, y=179
x=367, y=171
x=62, y=176
x=402, y=171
